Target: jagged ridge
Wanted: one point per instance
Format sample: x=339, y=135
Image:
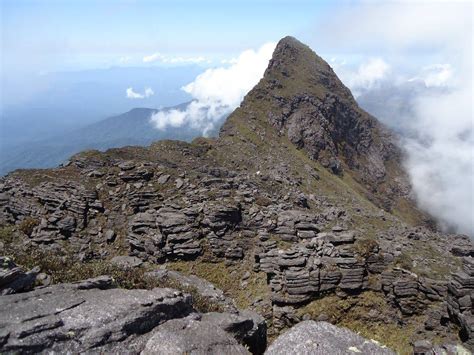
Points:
x=305, y=103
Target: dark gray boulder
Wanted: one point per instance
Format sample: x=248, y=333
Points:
x=91, y=316
x=14, y=279
x=247, y=327
x=84, y=316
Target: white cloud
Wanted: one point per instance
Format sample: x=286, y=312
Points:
x=136, y=95
x=436, y=75
x=149, y=92
x=152, y=58
x=158, y=57
x=229, y=61
x=368, y=74
x=440, y=160
x=441, y=163
x=398, y=25
x=218, y=91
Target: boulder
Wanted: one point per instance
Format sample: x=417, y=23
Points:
x=163, y=179
x=126, y=262
x=191, y=336
x=84, y=316
x=422, y=347
x=14, y=279
x=310, y=337
x=247, y=327
x=205, y=288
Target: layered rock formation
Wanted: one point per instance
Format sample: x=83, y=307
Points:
x=301, y=198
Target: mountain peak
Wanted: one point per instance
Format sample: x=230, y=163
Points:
x=289, y=49
x=297, y=69
x=290, y=41
x=301, y=102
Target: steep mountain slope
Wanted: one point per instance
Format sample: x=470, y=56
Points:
x=130, y=128
x=300, y=100
x=282, y=212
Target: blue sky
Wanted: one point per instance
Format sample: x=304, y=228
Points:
x=63, y=35
x=55, y=35
x=44, y=36
x=40, y=36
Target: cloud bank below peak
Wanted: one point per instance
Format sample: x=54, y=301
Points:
x=217, y=92
x=436, y=121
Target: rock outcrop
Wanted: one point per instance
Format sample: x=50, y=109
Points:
x=460, y=300
x=192, y=336
x=316, y=265
x=14, y=279
x=92, y=316
x=311, y=337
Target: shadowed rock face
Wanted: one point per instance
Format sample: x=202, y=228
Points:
x=282, y=212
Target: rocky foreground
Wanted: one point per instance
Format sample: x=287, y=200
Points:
x=297, y=217
x=92, y=315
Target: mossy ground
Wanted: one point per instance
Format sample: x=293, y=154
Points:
x=228, y=279
x=354, y=313
x=65, y=269
x=425, y=260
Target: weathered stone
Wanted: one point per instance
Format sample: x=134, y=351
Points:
x=191, y=336
x=423, y=347
x=13, y=279
x=310, y=337
x=126, y=262
x=163, y=179
x=179, y=183
x=80, y=317
x=109, y=235
x=127, y=165
x=247, y=327
x=205, y=288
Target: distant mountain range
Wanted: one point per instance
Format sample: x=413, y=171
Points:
x=130, y=128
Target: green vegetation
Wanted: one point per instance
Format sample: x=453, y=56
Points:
x=27, y=225
x=7, y=237
x=228, y=279
x=424, y=260
x=89, y=154
x=404, y=261
x=364, y=247
x=354, y=313
x=64, y=268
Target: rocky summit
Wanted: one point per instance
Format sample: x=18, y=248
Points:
x=291, y=232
